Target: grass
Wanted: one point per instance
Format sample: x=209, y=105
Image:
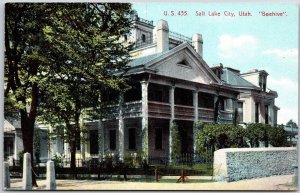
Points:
x=205, y=169
x=148, y=180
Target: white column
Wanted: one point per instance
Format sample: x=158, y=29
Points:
x=262, y=112
x=145, y=129
x=27, y=178
x=16, y=146
x=100, y=139
x=171, y=101
x=271, y=111
x=121, y=127
x=66, y=149
x=216, y=97
x=50, y=178
x=195, y=104
x=144, y=85
x=6, y=175
x=82, y=136
x=234, y=110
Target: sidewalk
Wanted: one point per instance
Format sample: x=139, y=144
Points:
x=268, y=183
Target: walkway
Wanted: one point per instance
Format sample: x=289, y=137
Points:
x=268, y=183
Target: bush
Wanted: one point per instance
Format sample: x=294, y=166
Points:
x=176, y=143
x=211, y=137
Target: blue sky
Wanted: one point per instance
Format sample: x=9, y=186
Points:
x=245, y=43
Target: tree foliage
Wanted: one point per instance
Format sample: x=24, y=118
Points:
x=212, y=137
x=62, y=58
x=23, y=63
x=87, y=61
x=176, y=143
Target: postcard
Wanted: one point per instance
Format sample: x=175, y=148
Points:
x=150, y=96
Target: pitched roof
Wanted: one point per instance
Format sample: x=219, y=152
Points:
x=232, y=78
x=146, y=63
x=143, y=60
x=8, y=127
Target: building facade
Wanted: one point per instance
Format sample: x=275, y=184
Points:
x=171, y=83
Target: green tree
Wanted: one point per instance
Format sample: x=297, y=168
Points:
x=217, y=136
x=23, y=61
x=277, y=136
x=66, y=54
x=256, y=132
x=176, y=143
x=291, y=123
x=88, y=61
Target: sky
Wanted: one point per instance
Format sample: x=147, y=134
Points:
x=267, y=43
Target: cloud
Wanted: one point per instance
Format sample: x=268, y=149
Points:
x=240, y=47
x=287, y=100
x=285, y=84
x=282, y=53
x=286, y=114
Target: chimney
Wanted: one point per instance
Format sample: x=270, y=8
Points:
x=198, y=43
x=162, y=35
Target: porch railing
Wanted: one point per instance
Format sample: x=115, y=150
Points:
x=159, y=109
x=184, y=112
x=206, y=115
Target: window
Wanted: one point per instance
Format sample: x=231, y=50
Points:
x=125, y=37
x=112, y=139
x=143, y=37
x=158, y=138
x=132, y=138
x=264, y=83
x=256, y=112
x=94, y=147
x=266, y=114
x=240, y=112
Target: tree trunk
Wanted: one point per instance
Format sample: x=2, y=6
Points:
x=27, y=127
x=72, y=142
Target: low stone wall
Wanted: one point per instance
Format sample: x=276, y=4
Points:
x=234, y=164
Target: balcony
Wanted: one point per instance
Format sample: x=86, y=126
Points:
x=206, y=115
x=179, y=37
x=184, y=112
x=130, y=110
x=159, y=110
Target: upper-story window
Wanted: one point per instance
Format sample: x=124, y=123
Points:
x=125, y=37
x=240, y=112
x=266, y=114
x=256, y=112
x=263, y=82
x=143, y=37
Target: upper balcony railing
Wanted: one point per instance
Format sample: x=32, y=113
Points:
x=179, y=37
x=184, y=112
x=159, y=109
x=137, y=18
x=206, y=114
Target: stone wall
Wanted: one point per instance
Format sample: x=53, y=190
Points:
x=234, y=164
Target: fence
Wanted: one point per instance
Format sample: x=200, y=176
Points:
x=132, y=165
x=185, y=158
